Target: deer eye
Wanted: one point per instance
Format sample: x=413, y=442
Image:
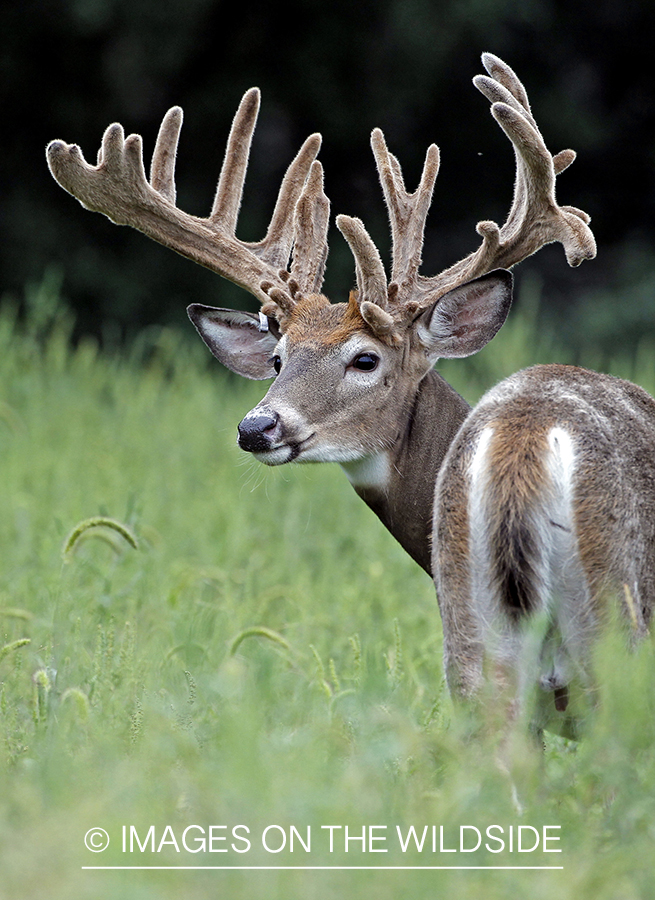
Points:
x=276, y=362
x=365, y=362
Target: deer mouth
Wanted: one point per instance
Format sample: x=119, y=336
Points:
x=282, y=453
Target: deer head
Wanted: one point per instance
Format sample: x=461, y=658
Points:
x=342, y=369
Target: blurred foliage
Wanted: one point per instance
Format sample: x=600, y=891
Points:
x=69, y=67
x=269, y=654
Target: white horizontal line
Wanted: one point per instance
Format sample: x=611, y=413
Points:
x=322, y=868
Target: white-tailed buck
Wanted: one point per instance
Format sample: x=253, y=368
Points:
x=536, y=506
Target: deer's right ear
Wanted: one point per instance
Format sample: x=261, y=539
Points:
x=244, y=342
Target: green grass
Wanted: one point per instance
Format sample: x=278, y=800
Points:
x=267, y=655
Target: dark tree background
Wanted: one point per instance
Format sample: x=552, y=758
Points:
x=70, y=67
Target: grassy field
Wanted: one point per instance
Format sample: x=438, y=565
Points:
x=263, y=664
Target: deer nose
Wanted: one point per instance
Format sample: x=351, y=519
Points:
x=257, y=431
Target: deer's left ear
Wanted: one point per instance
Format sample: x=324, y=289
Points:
x=465, y=319
x=242, y=341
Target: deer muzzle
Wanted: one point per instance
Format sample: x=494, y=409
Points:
x=258, y=432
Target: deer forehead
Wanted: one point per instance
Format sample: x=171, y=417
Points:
x=326, y=327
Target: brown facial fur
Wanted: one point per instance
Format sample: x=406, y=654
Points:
x=315, y=320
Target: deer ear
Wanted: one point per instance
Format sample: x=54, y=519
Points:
x=242, y=341
x=465, y=319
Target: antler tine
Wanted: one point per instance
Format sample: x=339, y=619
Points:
x=282, y=231
x=162, y=168
x=312, y=217
x=407, y=215
x=117, y=186
x=407, y=212
x=535, y=218
x=229, y=190
x=370, y=274
x=504, y=86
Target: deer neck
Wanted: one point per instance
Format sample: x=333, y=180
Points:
x=398, y=484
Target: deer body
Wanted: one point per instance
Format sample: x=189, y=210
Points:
x=543, y=508
x=538, y=504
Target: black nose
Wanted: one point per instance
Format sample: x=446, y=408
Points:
x=256, y=432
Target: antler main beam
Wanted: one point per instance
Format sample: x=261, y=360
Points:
x=117, y=186
x=534, y=219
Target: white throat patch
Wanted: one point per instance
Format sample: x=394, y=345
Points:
x=371, y=472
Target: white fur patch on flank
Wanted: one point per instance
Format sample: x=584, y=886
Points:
x=480, y=455
x=570, y=604
x=477, y=512
x=566, y=574
x=477, y=515
x=561, y=464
